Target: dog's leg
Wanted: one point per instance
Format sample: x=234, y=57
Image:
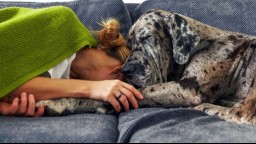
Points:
x=68, y=106
x=168, y=95
x=244, y=112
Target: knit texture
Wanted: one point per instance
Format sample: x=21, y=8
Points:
x=35, y=40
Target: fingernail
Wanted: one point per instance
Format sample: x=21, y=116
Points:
x=16, y=99
x=31, y=96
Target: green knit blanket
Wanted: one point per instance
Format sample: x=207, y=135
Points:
x=35, y=40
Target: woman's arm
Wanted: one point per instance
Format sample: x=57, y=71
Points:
x=47, y=88
x=108, y=90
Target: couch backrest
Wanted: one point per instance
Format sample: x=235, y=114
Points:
x=232, y=15
x=90, y=12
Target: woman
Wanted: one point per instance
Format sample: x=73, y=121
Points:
x=100, y=69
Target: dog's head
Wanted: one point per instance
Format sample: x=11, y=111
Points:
x=134, y=70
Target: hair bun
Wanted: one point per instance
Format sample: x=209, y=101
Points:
x=110, y=37
x=111, y=40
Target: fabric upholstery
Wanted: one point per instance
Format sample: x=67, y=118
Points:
x=91, y=128
x=232, y=15
x=90, y=12
x=180, y=125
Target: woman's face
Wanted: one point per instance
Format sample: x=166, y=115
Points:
x=94, y=64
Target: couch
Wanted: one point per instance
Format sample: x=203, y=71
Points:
x=174, y=125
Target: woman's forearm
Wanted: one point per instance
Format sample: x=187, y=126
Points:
x=108, y=90
x=46, y=88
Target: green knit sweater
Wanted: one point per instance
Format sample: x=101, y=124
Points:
x=35, y=40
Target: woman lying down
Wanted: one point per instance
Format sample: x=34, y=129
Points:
x=174, y=61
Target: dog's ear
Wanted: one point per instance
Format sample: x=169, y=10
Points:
x=184, y=39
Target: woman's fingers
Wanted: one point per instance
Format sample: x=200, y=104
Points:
x=31, y=106
x=123, y=100
x=129, y=95
x=115, y=103
x=23, y=104
x=40, y=111
x=135, y=92
x=14, y=107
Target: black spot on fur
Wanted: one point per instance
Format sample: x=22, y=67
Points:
x=215, y=88
x=244, y=83
x=232, y=37
x=189, y=83
x=228, y=51
x=205, y=109
x=239, y=114
x=240, y=49
x=252, y=82
x=142, y=39
x=245, y=63
x=240, y=36
x=181, y=96
x=185, y=29
x=178, y=20
x=157, y=13
x=253, y=45
x=152, y=89
x=178, y=35
x=173, y=26
x=222, y=43
x=210, y=41
x=149, y=24
x=166, y=32
x=157, y=25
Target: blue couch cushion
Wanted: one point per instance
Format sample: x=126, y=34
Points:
x=81, y=128
x=90, y=12
x=232, y=15
x=180, y=125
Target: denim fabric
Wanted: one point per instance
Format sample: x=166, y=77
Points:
x=180, y=125
x=91, y=128
x=232, y=15
x=90, y=12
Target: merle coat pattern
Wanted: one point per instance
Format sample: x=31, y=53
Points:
x=178, y=61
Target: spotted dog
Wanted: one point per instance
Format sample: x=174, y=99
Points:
x=180, y=62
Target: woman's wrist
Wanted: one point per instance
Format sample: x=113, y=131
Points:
x=79, y=88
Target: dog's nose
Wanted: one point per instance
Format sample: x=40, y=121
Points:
x=127, y=69
x=133, y=72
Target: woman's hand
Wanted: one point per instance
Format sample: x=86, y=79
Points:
x=23, y=106
x=116, y=93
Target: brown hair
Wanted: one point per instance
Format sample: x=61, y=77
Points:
x=111, y=40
